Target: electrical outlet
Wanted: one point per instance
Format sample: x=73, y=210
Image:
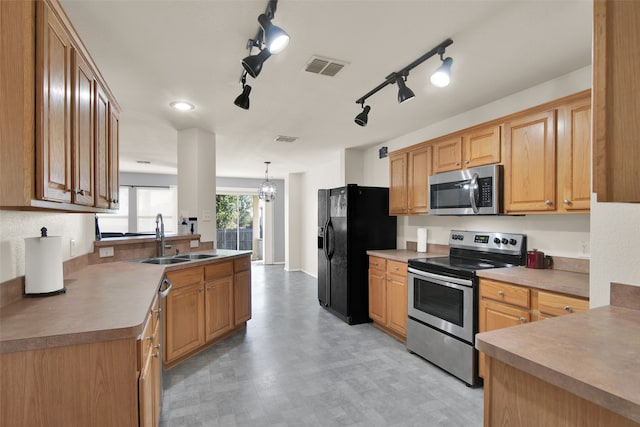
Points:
x=194, y=243
x=106, y=252
x=72, y=248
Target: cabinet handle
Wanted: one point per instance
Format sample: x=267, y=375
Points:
x=547, y=202
x=501, y=293
x=568, y=308
x=158, y=311
x=156, y=354
x=523, y=320
x=76, y=191
x=457, y=163
x=388, y=280
x=566, y=202
x=157, y=347
x=466, y=162
x=152, y=337
x=200, y=289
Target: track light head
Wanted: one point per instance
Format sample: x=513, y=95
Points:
x=362, y=118
x=242, y=100
x=253, y=63
x=275, y=37
x=404, y=93
x=442, y=76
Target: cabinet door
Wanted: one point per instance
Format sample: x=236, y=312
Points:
x=493, y=316
x=242, y=296
x=114, y=166
x=101, y=124
x=616, y=128
x=377, y=296
x=530, y=163
x=447, y=155
x=83, y=135
x=184, y=320
x=482, y=147
x=146, y=394
x=418, y=180
x=574, y=157
x=53, y=109
x=398, y=184
x=397, y=303
x=218, y=307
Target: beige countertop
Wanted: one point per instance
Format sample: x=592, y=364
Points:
x=403, y=255
x=566, y=282
x=102, y=302
x=593, y=354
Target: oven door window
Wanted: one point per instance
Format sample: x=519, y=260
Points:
x=440, y=301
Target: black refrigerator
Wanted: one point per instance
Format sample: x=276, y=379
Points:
x=351, y=220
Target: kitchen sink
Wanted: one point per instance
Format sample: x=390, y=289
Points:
x=171, y=260
x=194, y=256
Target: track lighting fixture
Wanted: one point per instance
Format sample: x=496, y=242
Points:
x=275, y=37
x=270, y=39
x=404, y=93
x=242, y=100
x=362, y=118
x=440, y=78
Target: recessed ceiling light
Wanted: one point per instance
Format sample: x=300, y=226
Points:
x=143, y=162
x=182, y=106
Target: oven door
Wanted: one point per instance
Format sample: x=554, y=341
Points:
x=445, y=303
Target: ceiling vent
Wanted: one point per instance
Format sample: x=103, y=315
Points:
x=324, y=66
x=284, y=138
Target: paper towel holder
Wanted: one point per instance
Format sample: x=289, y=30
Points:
x=40, y=290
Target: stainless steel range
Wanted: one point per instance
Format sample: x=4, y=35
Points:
x=443, y=298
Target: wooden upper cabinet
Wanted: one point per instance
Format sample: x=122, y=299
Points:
x=103, y=194
x=616, y=90
x=83, y=136
x=53, y=112
x=114, y=167
x=482, y=146
x=418, y=180
x=530, y=163
x=397, y=183
x=574, y=156
x=447, y=155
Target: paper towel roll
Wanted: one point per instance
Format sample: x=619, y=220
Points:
x=43, y=265
x=422, y=240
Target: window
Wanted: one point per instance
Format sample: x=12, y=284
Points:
x=235, y=222
x=138, y=209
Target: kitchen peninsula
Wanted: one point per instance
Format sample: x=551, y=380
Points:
x=574, y=370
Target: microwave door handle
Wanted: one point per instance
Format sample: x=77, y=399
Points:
x=473, y=188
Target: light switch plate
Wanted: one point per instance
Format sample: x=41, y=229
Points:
x=106, y=252
x=194, y=243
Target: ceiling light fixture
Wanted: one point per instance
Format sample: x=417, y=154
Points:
x=267, y=190
x=270, y=39
x=242, y=100
x=362, y=118
x=182, y=106
x=399, y=78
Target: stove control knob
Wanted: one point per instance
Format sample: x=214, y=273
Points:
x=513, y=241
x=496, y=241
x=505, y=241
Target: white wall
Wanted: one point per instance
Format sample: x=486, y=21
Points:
x=293, y=207
x=615, y=248
x=15, y=226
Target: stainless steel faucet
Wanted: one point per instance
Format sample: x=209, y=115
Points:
x=160, y=234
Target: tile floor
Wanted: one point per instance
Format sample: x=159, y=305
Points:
x=298, y=365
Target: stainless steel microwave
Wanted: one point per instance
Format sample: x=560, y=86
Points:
x=472, y=191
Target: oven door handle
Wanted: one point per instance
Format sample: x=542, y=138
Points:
x=473, y=191
x=441, y=280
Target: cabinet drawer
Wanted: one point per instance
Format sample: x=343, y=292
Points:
x=186, y=277
x=557, y=305
x=219, y=269
x=242, y=264
x=377, y=263
x=396, y=267
x=509, y=294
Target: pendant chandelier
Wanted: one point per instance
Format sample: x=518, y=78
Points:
x=267, y=190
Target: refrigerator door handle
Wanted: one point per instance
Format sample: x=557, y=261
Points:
x=328, y=250
x=325, y=235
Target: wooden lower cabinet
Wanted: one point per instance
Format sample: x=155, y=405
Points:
x=207, y=303
x=149, y=384
x=388, y=296
x=502, y=305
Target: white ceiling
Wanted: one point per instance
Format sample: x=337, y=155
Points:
x=153, y=52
